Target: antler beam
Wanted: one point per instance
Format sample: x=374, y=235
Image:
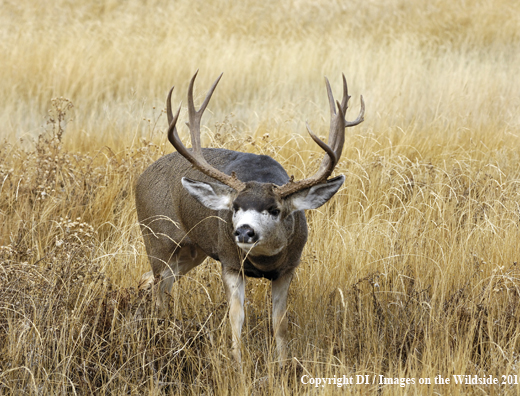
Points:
x=195, y=154
x=334, y=148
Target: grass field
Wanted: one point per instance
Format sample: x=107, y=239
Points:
x=411, y=271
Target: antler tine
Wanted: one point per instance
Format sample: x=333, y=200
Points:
x=195, y=155
x=329, y=161
x=173, y=136
x=191, y=106
x=337, y=133
x=169, y=107
x=332, y=101
x=361, y=116
x=336, y=139
x=195, y=116
x=335, y=144
x=334, y=147
x=319, y=142
x=331, y=98
x=346, y=97
x=209, y=94
x=337, y=129
x=344, y=105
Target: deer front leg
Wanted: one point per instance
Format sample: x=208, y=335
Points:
x=280, y=289
x=182, y=261
x=234, y=284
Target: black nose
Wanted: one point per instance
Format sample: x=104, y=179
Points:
x=245, y=234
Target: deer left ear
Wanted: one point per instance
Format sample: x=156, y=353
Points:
x=315, y=196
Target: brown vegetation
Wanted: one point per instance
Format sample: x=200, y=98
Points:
x=410, y=271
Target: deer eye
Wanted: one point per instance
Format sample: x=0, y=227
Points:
x=274, y=212
x=234, y=209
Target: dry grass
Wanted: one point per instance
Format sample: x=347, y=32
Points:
x=410, y=271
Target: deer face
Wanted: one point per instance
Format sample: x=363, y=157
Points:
x=262, y=221
x=259, y=220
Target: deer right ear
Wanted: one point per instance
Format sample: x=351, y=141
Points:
x=214, y=196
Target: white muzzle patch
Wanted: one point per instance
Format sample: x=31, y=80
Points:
x=253, y=231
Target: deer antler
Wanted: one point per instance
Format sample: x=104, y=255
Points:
x=195, y=155
x=335, y=144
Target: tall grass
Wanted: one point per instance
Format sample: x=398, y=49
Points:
x=411, y=270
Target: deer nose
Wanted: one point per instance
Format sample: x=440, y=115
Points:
x=245, y=234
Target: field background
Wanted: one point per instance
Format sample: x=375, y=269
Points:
x=410, y=271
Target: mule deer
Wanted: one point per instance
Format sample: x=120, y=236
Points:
x=241, y=209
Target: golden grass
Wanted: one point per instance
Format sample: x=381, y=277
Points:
x=410, y=271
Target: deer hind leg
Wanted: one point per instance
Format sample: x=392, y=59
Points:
x=234, y=284
x=182, y=261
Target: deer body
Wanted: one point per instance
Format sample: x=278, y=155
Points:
x=183, y=222
x=241, y=209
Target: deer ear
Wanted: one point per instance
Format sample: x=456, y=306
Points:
x=214, y=196
x=315, y=196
